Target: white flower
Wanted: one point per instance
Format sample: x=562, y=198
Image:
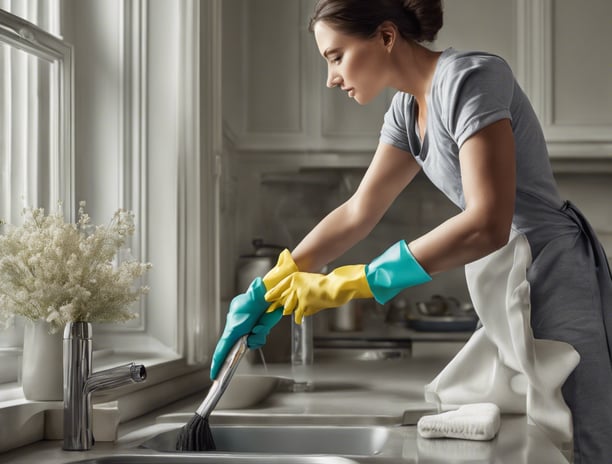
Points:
x=62, y=272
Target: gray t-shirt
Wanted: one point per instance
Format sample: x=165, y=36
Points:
x=570, y=290
x=469, y=91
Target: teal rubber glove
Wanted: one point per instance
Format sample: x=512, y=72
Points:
x=393, y=271
x=247, y=313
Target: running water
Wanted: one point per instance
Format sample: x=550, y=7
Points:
x=263, y=359
x=302, y=355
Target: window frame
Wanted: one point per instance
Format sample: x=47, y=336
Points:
x=197, y=150
x=32, y=39
x=28, y=37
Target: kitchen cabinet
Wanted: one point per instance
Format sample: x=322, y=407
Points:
x=275, y=97
x=559, y=51
x=573, y=77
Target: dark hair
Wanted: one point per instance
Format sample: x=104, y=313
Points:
x=419, y=20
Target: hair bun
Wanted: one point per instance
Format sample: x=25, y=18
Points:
x=418, y=20
x=428, y=15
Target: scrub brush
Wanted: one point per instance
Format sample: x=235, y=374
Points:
x=195, y=434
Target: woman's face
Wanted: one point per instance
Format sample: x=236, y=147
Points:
x=354, y=64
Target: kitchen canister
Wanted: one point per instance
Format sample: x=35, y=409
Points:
x=256, y=264
x=348, y=317
x=250, y=266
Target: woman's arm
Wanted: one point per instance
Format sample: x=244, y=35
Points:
x=390, y=171
x=488, y=177
x=488, y=171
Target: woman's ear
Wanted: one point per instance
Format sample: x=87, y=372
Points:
x=388, y=32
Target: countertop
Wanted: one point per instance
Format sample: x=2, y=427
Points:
x=346, y=392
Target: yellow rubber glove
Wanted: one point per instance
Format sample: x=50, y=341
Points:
x=386, y=276
x=305, y=294
x=284, y=266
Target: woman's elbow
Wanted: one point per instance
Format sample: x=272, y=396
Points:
x=495, y=235
x=490, y=224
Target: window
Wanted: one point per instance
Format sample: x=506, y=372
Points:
x=35, y=128
x=147, y=139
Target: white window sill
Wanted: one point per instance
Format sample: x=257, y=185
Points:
x=169, y=379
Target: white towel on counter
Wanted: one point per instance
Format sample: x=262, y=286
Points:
x=453, y=451
x=479, y=421
x=502, y=363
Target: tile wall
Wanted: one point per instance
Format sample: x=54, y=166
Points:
x=281, y=208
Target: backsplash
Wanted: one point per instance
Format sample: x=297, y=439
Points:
x=282, y=207
x=418, y=209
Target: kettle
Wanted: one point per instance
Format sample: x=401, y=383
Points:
x=256, y=264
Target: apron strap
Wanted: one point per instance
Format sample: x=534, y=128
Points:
x=601, y=259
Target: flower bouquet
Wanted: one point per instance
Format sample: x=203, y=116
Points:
x=62, y=272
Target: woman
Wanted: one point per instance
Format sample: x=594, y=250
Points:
x=461, y=118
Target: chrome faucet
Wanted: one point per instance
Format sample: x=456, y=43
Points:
x=79, y=383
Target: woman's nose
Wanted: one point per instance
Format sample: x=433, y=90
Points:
x=333, y=80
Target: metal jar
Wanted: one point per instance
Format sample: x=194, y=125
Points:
x=249, y=267
x=256, y=264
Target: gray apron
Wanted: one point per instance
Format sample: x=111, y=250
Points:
x=572, y=302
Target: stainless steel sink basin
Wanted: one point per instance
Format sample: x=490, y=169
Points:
x=287, y=439
x=298, y=417
x=240, y=444
x=212, y=458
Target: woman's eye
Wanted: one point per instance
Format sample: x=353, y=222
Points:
x=335, y=59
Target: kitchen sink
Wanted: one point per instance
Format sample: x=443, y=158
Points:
x=287, y=439
x=216, y=458
x=321, y=407
x=299, y=417
x=249, y=444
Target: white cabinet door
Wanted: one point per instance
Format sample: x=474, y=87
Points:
x=347, y=125
x=264, y=75
x=275, y=98
x=274, y=94
x=575, y=77
x=560, y=53
x=485, y=25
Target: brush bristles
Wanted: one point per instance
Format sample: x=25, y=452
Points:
x=195, y=436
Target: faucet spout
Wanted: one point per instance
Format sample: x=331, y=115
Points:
x=115, y=377
x=80, y=382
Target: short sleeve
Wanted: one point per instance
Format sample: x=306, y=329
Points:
x=394, y=130
x=476, y=92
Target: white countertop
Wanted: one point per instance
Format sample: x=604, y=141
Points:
x=346, y=392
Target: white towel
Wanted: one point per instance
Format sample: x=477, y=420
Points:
x=479, y=421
